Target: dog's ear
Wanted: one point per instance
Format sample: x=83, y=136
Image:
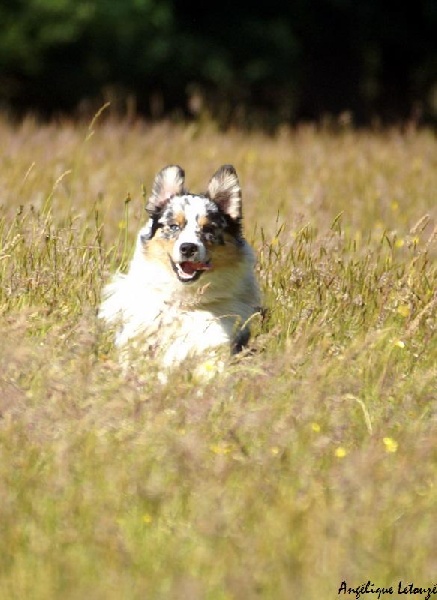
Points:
x=224, y=189
x=168, y=182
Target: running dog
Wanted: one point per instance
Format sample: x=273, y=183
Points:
x=191, y=285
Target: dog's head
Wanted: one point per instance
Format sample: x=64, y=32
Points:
x=194, y=235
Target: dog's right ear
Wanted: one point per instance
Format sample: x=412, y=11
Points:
x=168, y=182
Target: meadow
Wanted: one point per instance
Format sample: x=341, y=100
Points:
x=311, y=460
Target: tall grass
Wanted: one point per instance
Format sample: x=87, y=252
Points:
x=310, y=461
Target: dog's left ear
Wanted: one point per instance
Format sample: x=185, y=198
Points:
x=168, y=182
x=224, y=189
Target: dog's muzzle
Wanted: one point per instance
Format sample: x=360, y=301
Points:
x=188, y=271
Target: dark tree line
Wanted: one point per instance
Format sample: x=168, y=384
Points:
x=268, y=60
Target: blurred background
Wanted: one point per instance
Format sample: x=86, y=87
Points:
x=246, y=63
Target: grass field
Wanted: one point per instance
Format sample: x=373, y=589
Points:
x=311, y=461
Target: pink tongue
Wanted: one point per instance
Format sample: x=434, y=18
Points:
x=191, y=267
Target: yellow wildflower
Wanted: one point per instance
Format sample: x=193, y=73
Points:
x=208, y=369
x=220, y=448
x=404, y=310
x=390, y=444
x=340, y=452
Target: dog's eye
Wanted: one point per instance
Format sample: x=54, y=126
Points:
x=174, y=227
x=209, y=232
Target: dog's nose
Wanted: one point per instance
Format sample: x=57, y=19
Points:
x=188, y=250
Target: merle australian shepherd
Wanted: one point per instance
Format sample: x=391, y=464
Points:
x=191, y=285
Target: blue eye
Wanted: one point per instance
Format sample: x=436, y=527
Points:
x=174, y=227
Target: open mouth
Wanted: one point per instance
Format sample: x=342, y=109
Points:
x=188, y=271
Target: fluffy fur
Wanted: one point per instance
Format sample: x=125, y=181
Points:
x=191, y=284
